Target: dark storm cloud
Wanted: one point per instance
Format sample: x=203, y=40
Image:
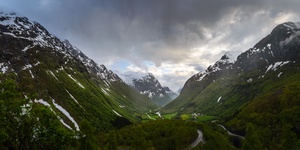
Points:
x=158, y=31
x=116, y=27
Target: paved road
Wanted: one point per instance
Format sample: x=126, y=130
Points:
x=229, y=133
x=198, y=140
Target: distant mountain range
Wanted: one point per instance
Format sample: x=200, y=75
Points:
x=147, y=84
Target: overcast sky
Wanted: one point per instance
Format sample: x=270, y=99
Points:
x=173, y=39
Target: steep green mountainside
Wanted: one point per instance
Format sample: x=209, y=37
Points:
x=185, y=102
x=273, y=114
x=57, y=75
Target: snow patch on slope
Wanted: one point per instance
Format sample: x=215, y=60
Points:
x=49, y=71
x=29, y=66
x=26, y=48
x=105, y=92
x=275, y=66
x=73, y=98
x=32, y=76
x=67, y=114
x=201, y=75
x=149, y=93
x=278, y=76
x=219, y=99
x=117, y=113
x=3, y=67
x=76, y=81
x=48, y=105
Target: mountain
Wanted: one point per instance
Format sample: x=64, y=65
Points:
x=200, y=81
x=211, y=88
x=147, y=84
x=257, y=95
x=172, y=94
x=54, y=76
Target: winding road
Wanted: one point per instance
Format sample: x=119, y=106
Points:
x=198, y=140
x=229, y=133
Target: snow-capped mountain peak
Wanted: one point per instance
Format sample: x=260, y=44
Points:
x=147, y=84
x=230, y=56
x=68, y=44
x=226, y=62
x=129, y=76
x=23, y=28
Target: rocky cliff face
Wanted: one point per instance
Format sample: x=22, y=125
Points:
x=281, y=44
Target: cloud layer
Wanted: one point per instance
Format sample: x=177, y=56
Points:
x=173, y=39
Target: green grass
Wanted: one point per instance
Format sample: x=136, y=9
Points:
x=185, y=116
x=169, y=116
x=205, y=118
